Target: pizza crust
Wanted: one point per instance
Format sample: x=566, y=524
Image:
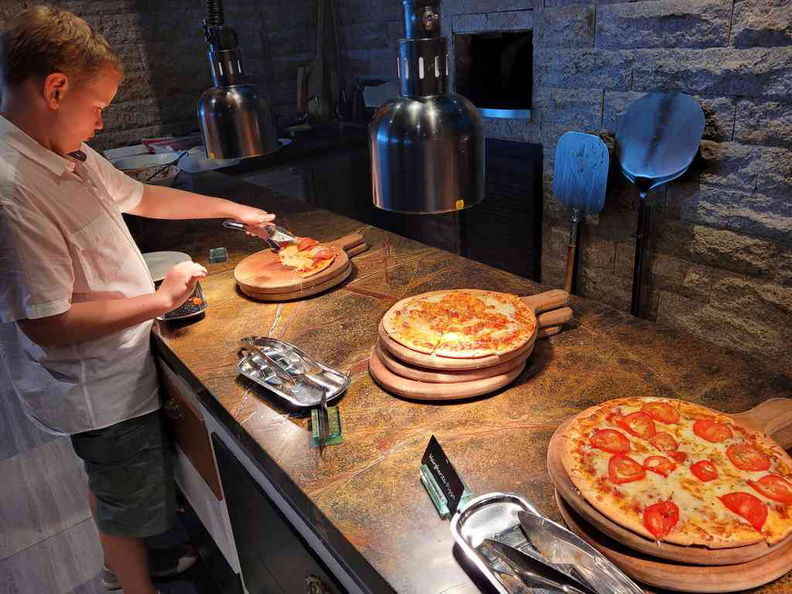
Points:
x=704, y=521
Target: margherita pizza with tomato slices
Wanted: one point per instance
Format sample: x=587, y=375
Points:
x=681, y=473
x=307, y=256
x=461, y=323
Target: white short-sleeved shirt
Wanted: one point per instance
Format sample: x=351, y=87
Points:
x=62, y=241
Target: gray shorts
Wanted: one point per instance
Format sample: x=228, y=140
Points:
x=130, y=474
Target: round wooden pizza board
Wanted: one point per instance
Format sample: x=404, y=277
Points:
x=418, y=390
x=419, y=374
x=303, y=292
x=262, y=272
x=778, y=411
x=682, y=577
x=552, y=302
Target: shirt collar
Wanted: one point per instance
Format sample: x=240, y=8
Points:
x=23, y=143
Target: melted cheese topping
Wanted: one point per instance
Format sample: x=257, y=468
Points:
x=463, y=322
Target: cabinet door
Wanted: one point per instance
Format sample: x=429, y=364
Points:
x=273, y=556
x=189, y=429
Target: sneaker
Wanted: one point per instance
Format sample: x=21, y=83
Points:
x=163, y=563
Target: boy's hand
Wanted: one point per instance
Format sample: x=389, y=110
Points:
x=179, y=283
x=254, y=217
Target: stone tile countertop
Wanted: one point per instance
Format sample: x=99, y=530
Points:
x=364, y=497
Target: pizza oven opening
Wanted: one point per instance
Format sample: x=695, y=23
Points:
x=495, y=71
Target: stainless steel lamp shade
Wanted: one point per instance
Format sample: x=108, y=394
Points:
x=427, y=145
x=235, y=121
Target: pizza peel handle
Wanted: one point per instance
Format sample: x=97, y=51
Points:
x=555, y=317
x=773, y=417
x=546, y=301
x=348, y=242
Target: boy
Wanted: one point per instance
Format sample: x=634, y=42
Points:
x=76, y=299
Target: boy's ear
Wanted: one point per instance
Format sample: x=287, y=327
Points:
x=55, y=87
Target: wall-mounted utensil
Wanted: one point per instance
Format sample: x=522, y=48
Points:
x=656, y=141
x=580, y=178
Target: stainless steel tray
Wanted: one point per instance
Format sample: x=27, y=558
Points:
x=290, y=373
x=495, y=516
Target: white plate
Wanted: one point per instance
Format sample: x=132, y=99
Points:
x=160, y=262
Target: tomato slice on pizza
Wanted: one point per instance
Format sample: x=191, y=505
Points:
x=623, y=469
x=704, y=470
x=712, y=431
x=773, y=487
x=659, y=465
x=639, y=424
x=611, y=441
x=747, y=457
x=747, y=506
x=664, y=442
x=662, y=412
x=660, y=518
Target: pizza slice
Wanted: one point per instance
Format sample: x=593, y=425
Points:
x=306, y=256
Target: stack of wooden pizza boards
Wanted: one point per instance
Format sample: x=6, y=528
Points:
x=680, y=496
x=264, y=276
x=455, y=344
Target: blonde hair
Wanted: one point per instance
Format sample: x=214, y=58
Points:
x=42, y=39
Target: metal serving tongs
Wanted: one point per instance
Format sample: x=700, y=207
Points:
x=274, y=235
x=284, y=376
x=533, y=573
x=552, y=544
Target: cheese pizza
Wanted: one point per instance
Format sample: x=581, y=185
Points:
x=306, y=256
x=461, y=323
x=681, y=473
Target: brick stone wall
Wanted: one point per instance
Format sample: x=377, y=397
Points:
x=721, y=263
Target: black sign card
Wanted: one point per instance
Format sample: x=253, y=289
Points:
x=445, y=475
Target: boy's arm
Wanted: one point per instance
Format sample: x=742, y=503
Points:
x=160, y=202
x=95, y=319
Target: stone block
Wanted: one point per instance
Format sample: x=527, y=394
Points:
x=613, y=288
x=287, y=42
x=567, y=27
x=718, y=248
x=574, y=109
x=625, y=256
x=754, y=298
x=370, y=36
x=726, y=164
x=149, y=112
x=762, y=23
x=454, y=7
x=120, y=28
x=518, y=20
x=511, y=129
x=663, y=23
x=747, y=212
x=774, y=168
x=724, y=328
x=615, y=224
x=88, y=8
x=361, y=11
x=372, y=63
x=768, y=123
x=596, y=252
x=757, y=72
x=582, y=69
